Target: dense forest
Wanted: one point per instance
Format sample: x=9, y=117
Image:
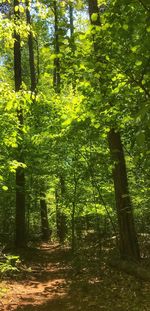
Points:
x=74, y=124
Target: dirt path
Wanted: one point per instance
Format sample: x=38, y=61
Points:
x=55, y=282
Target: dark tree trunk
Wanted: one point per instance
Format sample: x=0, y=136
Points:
x=20, y=176
x=61, y=224
x=60, y=215
x=46, y=232
x=56, y=75
x=93, y=9
x=128, y=240
x=73, y=212
x=71, y=21
x=73, y=226
x=31, y=51
x=72, y=45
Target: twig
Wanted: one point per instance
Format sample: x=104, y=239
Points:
x=144, y=6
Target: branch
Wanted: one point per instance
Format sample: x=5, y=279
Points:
x=144, y=6
x=138, y=83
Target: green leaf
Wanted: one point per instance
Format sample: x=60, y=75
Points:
x=16, y=8
x=125, y=27
x=21, y=8
x=148, y=29
x=94, y=17
x=5, y=188
x=134, y=48
x=138, y=63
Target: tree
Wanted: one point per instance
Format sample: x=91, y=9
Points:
x=128, y=240
x=46, y=232
x=20, y=175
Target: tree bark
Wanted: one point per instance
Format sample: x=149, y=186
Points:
x=73, y=212
x=20, y=175
x=56, y=75
x=46, y=232
x=73, y=226
x=71, y=21
x=128, y=240
x=60, y=215
x=31, y=51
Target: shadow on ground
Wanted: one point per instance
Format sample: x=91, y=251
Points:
x=60, y=282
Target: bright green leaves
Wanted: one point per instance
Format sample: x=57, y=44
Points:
x=125, y=27
x=72, y=108
x=135, y=48
x=148, y=29
x=19, y=8
x=5, y=188
x=138, y=63
x=13, y=165
x=6, y=33
x=42, y=10
x=146, y=79
x=94, y=17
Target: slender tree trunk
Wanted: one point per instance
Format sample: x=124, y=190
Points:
x=56, y=85
x=45, y=228
x=46, y=232
x=60, y=219
x=71, y=21
x=73, y=226
x=56, y=75
x=20, y=175
x=31, y=51
x=57, y=211
x=60, y=216
x=72, y=44
x=73, y=212
x=128, y=240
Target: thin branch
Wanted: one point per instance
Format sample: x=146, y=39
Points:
x=144, y=6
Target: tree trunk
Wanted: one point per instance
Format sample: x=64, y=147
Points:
x=73, y=226
x=73, y=212
x=46, y=232
x=20, y=176
x=128, y=240
x=72, y=46
x=71, y=21
x=56, y=75
x=60, y=215
x=93, y=9
x=31, y=51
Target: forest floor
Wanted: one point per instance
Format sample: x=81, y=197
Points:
x=54, y=280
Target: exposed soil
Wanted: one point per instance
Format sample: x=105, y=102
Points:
x=54, y=281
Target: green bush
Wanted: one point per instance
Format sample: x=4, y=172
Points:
x=9, y=264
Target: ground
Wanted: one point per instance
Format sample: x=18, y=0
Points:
x=54, y=280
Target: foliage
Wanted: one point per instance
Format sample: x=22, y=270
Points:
x=64, y=134
x=9, y=265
